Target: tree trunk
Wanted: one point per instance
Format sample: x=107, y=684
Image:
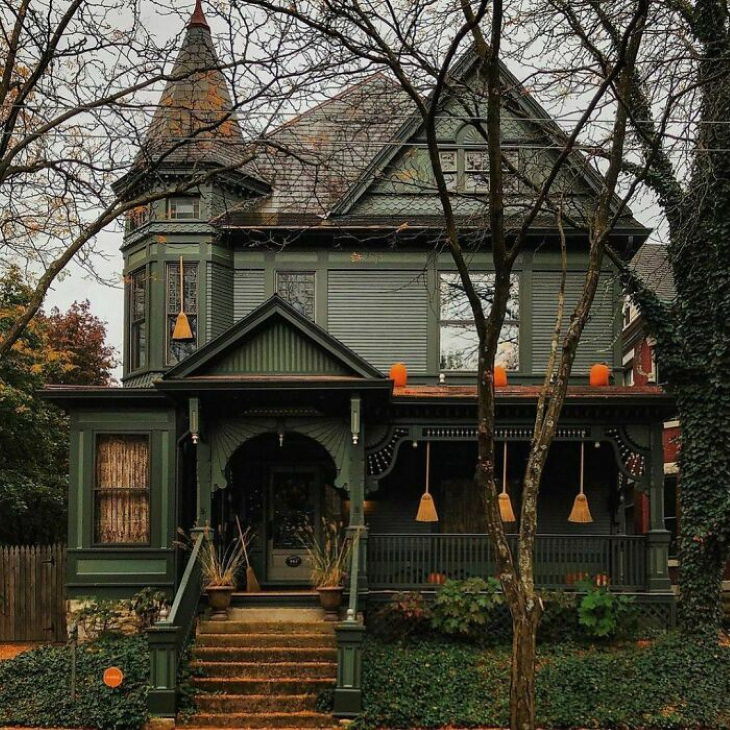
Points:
x=525, y=621
x=703, y=499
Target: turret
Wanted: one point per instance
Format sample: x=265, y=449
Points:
x=194, y=135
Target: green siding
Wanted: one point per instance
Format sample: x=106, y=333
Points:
x=248, y=291
x=382, y=315
x=219, y=299
x=278, y=350
x=597, y=342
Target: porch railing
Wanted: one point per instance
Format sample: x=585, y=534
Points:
x=408, y=561
x=167, y=639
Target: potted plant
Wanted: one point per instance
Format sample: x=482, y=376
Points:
x=220, y=562
x=329, y=553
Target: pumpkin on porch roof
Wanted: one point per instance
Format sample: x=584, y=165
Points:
x=399, y=374
x=500, y=376
x=600, y=375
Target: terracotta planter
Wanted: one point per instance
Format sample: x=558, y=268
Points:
x=219, y=599
x=330, y=598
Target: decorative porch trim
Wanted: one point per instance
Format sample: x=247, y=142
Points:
x=331, y=433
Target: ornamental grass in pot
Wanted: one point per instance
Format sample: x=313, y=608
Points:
x=329, y=554
x=221, y=560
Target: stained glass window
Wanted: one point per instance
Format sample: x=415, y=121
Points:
x=297, y=288
x=138, y=319
x=179, y=349
x=459, y=342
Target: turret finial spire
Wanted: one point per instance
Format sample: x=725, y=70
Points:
x=197, y=19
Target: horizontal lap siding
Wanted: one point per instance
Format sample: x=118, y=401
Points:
x=382, y=315
x=248, y=291
x=598, y=337
x=219, y=304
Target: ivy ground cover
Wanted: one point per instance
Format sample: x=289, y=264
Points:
x=428, y=683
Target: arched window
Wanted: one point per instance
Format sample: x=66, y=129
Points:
x=466, y=164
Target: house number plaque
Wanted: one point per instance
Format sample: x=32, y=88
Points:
x=293, y=561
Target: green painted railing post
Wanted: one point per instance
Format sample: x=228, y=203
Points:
x=167, y=638
x=163, y=644
x=350, y=634
x=348, y=692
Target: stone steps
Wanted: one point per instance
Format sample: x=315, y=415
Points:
x=254, y=674
x=274, y=686
x=250, y=703
x=314, y=640
x=304, y=719
x=265, y=654
x=245, y=626
x=259, y=670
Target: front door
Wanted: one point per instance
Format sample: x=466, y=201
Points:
x=294, y=509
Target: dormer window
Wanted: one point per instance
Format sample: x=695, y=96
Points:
x=465, y=163
x=183, y=208
x=467, y=170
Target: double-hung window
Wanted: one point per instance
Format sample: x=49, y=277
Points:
x=122, y=489
x=459, y=343
x=183, y=208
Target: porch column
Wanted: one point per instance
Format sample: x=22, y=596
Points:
x=357, y=487
x=202, y=467
x=350, y=633
x=657, y=548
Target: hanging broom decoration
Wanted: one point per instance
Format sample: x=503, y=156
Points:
x=505, y=503
x=252, y=584
x=182, y=331
x=580, y=511
x=427, y=508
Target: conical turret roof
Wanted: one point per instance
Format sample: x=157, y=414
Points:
x=193, y=122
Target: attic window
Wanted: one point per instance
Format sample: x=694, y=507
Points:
x=466, y=169
x=185, y=208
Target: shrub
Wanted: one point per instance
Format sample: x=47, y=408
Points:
x=559, y=620
x=671, y=684
x=406, y=615
x=603, y=614
x=147, y=606
x=35, y=687
x=465, y=608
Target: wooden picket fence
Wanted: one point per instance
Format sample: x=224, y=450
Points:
x=32, y=600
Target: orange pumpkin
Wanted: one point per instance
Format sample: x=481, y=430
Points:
x=436, y=579
x=500, y=376
x=600, y=375
x=399, y=374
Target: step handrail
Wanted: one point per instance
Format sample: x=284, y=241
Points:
x=168, y=638
x=185, y=604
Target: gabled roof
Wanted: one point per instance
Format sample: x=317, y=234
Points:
x=274, y=340
x=652, y=266
x=353, y=138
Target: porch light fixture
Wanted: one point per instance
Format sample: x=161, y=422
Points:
x=505, y=503
x=182, y=331
x=580, y=512
x=427, y=508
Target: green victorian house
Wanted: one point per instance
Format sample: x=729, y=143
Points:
x=308, y=270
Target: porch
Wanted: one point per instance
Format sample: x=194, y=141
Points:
x=405, y=562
